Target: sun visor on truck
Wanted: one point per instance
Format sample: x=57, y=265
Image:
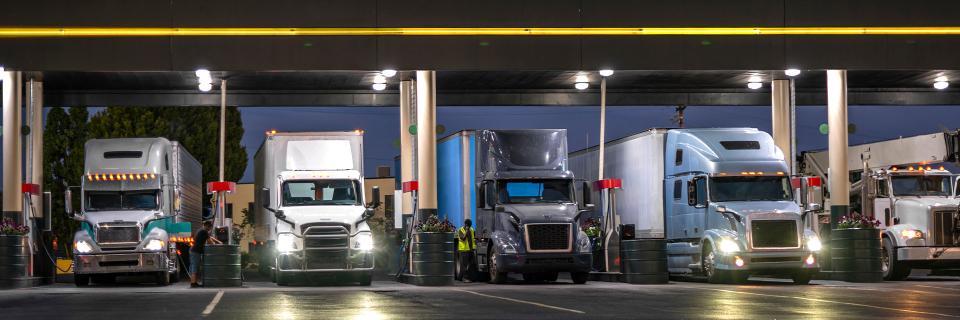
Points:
x=514, y=150
x=319, y=155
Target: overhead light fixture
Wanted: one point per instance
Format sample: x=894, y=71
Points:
x=792, y=72
x=754, y=85
x=205, y=80
x=379, y=78
x=606, y=72
x=206, y=86
x=941, y=83
x=379, y=86
x=202, y=73
x=582, y=82
x=581, y=85
x=389, y=73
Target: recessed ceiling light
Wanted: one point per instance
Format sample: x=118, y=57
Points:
x=755, y=85
x=388, y=73
x=379, y=79
x=379, y=86
x=792, y=72
x=755, y=79
x=581, y=85
x=940, y=85
x=206, y=86
x=606, y=72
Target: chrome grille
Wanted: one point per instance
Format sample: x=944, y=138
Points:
x=118, y=233
x=326, y=236
x=774, y=234
x=549, y=237
x=326, y=259
x=946, y=228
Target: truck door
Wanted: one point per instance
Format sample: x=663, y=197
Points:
x=696, y=207
x=881, y=204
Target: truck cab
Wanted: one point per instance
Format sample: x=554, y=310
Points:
x=312, y=208
x=919, y=214
x=730, y=210
x=138, y=199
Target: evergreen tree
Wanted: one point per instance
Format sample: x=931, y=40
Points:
x=63, y=139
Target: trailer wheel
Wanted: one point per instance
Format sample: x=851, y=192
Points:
x=892, y=271
x=81, y=280
x=496, y=277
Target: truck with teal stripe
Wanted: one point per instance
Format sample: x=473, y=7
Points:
x=140, y=202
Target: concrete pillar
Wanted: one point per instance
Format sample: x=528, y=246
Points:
x=837, y=121
x=12, y=153
x=35, y=105
x=784, y=131
x=427, y=143
x=406, y=142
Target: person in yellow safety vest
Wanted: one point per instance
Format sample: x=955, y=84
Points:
x=466, y=249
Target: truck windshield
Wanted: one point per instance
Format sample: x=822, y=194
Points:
x=320, y=193
x=122, y=200
x=534, y=191
x=763, y=188
x=921, y=186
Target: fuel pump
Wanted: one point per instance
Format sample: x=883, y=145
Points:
x=223, y=226
x=610, y=238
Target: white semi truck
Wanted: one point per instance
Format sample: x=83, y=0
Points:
x=138, y=199
x=721, y=198
x=311, y=210
x=904, y=184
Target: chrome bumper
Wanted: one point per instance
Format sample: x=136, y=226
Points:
x=355, y=261
x=928, y=253
x=769, y=261
x=120, y=263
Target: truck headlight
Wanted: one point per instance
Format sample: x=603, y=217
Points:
x=286, y=242
x=364, y=242
x=813, y=244
x=154, y=245
x=82, y=246
x=506, y=246
x=583, y=244
x=911, y=234
x=729, y=246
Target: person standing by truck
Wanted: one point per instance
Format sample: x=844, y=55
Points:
x=201, y=239
x=466, y=246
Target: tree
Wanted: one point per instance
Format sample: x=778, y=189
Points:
x=63, y=140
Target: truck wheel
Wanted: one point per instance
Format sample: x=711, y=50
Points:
x=81, y=280
x=281, y=280
x=579, y=277
x=802, y=277
x=892, y=270
x=550, y=276
x=532, y=277
x=496, y=277
x=709, y=266
x=365, y=279
x=163, y=278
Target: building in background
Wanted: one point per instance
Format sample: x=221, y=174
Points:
x=239, y=202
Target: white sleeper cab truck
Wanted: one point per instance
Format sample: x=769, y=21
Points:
x=138, y=197
x=311, y=213
x=721, y=198
x=905, y=185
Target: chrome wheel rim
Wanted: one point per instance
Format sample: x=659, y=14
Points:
x=708, y=264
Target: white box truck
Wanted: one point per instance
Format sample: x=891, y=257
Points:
x=139, y=198
x=720, y=197
x=311, y=214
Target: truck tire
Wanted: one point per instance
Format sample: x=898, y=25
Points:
x=579, y=277
x=802, y=277
x=281, y=280
x=163, y=278
x=496, y=277
x=81, y=280
x=365, y=279
x=708, y=265
x=892, y=270
x=550, y=276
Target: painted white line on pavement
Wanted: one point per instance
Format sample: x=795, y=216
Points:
x=831, y=301
x=522, y=301
x=213, y=304
x=945, y=288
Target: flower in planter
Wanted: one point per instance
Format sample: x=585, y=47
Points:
x=591, y=227
x=433, y=224
x=857, y=221
x=12, y=228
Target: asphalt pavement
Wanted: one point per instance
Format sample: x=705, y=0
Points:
x=917, y=298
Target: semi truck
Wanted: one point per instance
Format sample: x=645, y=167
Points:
x=140, y=202
x=904, y=184
x=516, y=186
x=311, y=213
x=721, y=198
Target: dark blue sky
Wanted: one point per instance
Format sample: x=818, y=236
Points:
x=583, y=123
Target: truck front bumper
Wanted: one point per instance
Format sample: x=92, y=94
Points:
x=134, y=262
x=545, y=262
x=320, y=261
x=769, y=262
x=929, y=257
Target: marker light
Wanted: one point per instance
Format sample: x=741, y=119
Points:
x=271, y=132
x=754, y=85
x=379, y=79
x=379, y=86
x=738, y=261
x=792, y=72
x=389, y=73
x=911, y=234
x=941, y=168
x=606, y=72
x=205, y=86
x=810, y=260
x=728, y=246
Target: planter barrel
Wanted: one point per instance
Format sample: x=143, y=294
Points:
x=433, y=258
x=221, y=266
x=14, y=258
x=644, y=261
x=855, y=255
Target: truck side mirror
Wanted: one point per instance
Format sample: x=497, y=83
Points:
x=68, y=202
x=586, y=195
x=691, y=193
x=376, y=197
x=367, y=214
x=490, y=195
x=481, y=196
x=265, y=197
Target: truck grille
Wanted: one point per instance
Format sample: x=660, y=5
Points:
x=774, y=234
x=326, y=259
x=118, y=233
x=326, y=236
x=946, y=228
x=549, y=237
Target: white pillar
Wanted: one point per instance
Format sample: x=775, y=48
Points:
x=603, y=123
x=837, y=121
x=406, y=142
x=12, y=153
x=223, y=122
x=35, y=104
x=426, y=143
x=784, y=133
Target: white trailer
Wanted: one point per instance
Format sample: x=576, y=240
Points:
x=311, y=213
